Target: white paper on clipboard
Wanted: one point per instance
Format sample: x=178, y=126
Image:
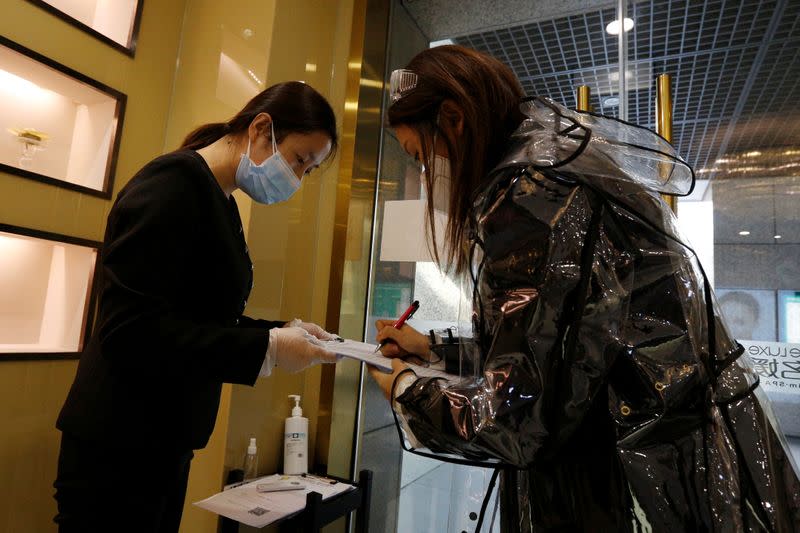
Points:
x=365, y=352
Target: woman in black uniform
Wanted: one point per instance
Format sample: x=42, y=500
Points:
x=170, y=330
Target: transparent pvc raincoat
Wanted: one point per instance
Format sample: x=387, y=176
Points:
x=601, y=381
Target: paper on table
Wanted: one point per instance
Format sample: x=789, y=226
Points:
x=365, y=352
x=257, y=509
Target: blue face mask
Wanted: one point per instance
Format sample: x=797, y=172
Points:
x=270, y=182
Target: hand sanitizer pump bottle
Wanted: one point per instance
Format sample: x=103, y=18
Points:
x=295, y=441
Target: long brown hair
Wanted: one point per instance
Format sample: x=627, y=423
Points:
x=489, y=96
x=294, y=107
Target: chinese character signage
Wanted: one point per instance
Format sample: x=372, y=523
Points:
x=777, y=364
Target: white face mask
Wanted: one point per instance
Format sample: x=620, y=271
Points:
x=270, y=182
x=442, y=183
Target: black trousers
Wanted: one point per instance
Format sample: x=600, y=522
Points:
x=104, y=487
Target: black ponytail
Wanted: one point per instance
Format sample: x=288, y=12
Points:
x=294, y=106
x=205, y=135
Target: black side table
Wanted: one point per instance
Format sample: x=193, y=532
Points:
x=318, y=513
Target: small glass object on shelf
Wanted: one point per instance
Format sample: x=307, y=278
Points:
x=44, y=104
x=32, y=141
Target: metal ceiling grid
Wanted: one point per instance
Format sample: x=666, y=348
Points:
x=735, y=68
x=770, y=115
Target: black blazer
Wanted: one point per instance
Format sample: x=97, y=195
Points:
x=170, y=330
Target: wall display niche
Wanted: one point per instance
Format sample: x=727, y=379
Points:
x=47, y=293
x=57, y=125
x=115, y=22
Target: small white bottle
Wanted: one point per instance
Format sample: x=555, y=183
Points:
x=295, y=441
x=251, y=460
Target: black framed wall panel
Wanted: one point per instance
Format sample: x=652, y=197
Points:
x=49, y=285
x=59, y=126
x=123, y=39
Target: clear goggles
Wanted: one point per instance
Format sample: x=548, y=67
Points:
x=401, y=82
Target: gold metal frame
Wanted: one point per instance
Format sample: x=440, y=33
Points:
x=340, y=228
x=352, y=243
x=584, y=96
x=664, y=121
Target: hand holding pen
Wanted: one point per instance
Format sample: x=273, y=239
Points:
x=398, y=339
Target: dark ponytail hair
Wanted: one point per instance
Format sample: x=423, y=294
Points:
x=294, y=107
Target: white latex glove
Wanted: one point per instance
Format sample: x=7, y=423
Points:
x=312, y=328
x=292, y=349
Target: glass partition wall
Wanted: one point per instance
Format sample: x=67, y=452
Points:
x=390, y=287
x=734, y=78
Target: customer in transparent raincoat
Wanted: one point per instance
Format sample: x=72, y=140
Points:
x=600, y=380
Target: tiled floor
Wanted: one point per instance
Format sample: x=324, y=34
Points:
x=415, y=466
x=445, y=499
x=382, y=455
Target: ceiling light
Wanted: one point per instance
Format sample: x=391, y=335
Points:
x=443, y=42
x=255, y=78
x=752, y=154
x=777, y=237
x=613, y=27
x=744, y=233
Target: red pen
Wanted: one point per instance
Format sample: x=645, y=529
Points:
x=402, y=320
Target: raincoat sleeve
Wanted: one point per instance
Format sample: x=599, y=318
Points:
x=549, y=334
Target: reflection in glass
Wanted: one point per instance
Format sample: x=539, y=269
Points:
x=242, y=69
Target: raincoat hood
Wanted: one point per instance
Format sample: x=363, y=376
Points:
x=611, y=150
